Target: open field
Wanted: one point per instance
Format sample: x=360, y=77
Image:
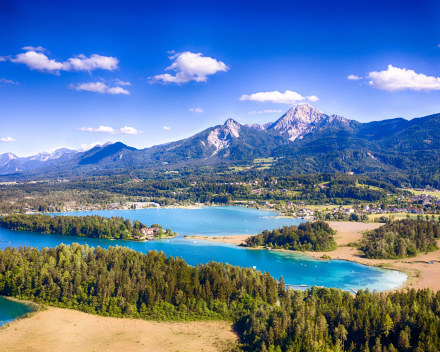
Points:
x=416, y=193
x=57, y=329
x=397, y=216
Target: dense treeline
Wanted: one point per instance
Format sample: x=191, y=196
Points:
x=401, y=239
x=171, y=188
x=84, y=226
x=308, y=236
x=123, y=283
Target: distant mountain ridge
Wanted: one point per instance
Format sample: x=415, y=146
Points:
x=306, y=140
x=10, y=163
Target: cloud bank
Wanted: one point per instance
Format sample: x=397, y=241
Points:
x=288, y=97
x=7, y=140
x=36, y=60
x=395, y=79
x=190, y=67
x=99, y=87
x=110, y=130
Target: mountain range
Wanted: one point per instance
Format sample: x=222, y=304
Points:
x=304, y=139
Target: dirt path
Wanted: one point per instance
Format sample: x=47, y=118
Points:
x=69, y=330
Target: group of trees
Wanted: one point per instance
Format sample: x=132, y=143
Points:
x=204, y=188
x=308, y=236
x=84, y=226
x=401, y=239
x=120, y=282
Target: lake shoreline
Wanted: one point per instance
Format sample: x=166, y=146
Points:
x=420, y=274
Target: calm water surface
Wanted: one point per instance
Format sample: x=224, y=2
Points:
x=296, y=268
x=10, y=310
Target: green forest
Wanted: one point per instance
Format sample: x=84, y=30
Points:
x=401, y=239
x=308, y=236
x=120, y=282
x=84, y=226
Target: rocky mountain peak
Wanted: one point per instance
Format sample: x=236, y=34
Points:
x=234, y=127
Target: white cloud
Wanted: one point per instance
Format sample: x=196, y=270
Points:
x=99, y=87
x=34, y=48
x=2, y=58
x=4, y=80
x=196, y=110
x=354, y=77
x=110, y=130
x=7, y=140
x=312, y=98
x=118, y=90
x=40, y=62
x=190, y=67
x=95, y=61
x=269, y=111
x=85, y=146
x=288, y=97
x=122, y=83
x=166, y=128
x=395, y=79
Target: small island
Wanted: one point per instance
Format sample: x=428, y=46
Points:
x=308, y=236
x=94, y=226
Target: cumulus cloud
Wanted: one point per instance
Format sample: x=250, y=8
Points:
x=2, y=58
x=99, y=87
x=354, y=77
x=110, y=130
x=288, y=97
x=38, y=61
x=166, y=128
x=122, y=83
x=7, y=140
x=33, y=48
x=4, y=80
x=196, y=110
x=312, y=98
x=118, y=90
x=395, y=79
x=190, y=67
x=268, y=111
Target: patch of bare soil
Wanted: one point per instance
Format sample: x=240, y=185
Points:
x=60, y=330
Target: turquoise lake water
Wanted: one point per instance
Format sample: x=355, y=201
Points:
x=296, y=268
x=10, y=310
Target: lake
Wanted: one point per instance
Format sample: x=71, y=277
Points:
x=10, y=310
x=296, y=268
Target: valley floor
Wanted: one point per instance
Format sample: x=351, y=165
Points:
x=57, y=329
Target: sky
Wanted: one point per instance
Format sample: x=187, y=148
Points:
x=77, y=73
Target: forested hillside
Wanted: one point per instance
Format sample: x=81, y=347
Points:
x=120, y=282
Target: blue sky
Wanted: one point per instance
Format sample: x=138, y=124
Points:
x=67, y=68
